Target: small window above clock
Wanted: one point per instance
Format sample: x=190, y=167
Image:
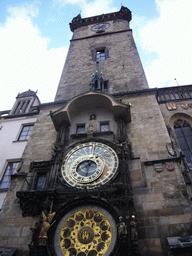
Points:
x=80, y=128
x=104, y=126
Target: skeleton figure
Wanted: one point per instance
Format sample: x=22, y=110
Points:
x=133, y=226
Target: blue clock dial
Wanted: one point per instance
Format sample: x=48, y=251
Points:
x=89, y=164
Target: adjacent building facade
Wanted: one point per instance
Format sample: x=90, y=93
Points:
x=107, y=168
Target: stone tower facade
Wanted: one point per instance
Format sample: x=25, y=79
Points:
x=107, y=168
x=119, y=60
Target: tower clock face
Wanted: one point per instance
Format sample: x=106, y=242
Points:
x=100, y=27
x=89, y=164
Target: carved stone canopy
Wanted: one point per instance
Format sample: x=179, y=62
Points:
x=28, y=93
x=90, y=100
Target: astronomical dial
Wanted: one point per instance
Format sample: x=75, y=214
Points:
x=89, y=164
x=100, y=27
x=87, y=169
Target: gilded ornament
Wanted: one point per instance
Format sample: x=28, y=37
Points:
x=86, y=232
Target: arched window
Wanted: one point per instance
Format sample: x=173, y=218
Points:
x=184, y=135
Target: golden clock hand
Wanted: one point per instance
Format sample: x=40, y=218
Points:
x=92, y=153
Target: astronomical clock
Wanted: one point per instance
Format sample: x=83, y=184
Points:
x=88, y=229
x=90, y=165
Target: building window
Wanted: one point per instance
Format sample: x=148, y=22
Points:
x=80, y=129
x=183, y=132
x=25, y=132
x=41, y=180
x=100, y=54
x=105, y=86
x=104, y=126
x=10, y=170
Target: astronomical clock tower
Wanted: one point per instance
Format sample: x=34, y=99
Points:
x=94, y=173
x=90, y=157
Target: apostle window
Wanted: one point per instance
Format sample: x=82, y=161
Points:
x=25, y=132
x=184, y=136
x=10, y=170
x=80, y=128
x=104, y=126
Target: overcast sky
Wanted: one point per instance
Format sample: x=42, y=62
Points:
x=34, y=39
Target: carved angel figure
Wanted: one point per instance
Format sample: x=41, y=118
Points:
x=46, y=224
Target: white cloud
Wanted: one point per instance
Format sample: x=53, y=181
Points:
x=93, y=8
x=170, y=37
x=25, y=61
x=97, y=7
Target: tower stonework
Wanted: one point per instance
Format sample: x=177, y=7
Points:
x=106, y=170
x=121, y=67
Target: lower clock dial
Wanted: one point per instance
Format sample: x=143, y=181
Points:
x=89, y=164
x=86, y=231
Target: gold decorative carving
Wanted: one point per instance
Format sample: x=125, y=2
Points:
x=46, y=224
x=85, y=232
x=171, y=106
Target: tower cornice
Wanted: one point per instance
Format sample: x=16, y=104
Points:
x=78, y=22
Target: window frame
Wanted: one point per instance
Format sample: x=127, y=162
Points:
x=104, y=51
x=13, y=171
x=26, y=136
x=102, y=123
x=82, y=125
x=39, y=174
x=184, y=139
x=100, y=54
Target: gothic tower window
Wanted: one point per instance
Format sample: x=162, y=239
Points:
x=100, y=54
x=184, y=135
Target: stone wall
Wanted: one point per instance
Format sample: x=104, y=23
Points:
x=122, y=68
x=14, y=228
x=147, y=131
x=41, y=142
x=161, y=200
